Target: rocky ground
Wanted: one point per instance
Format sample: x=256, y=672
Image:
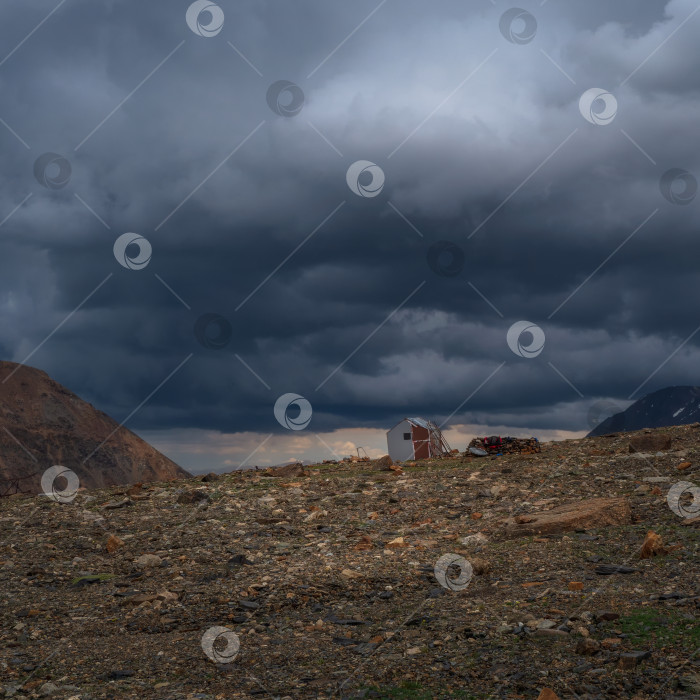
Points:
x=324, y=584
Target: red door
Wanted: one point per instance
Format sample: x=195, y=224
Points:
x=421, y=442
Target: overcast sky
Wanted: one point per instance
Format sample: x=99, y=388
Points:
x=479, y=136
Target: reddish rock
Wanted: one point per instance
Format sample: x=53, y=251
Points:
x=385, y=463
x=364, y=544
x=653, y=546
x=113, y=544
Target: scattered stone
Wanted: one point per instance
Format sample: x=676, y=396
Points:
x=147, y=561
x=195, y=496
x=384, y=464
x=334, y=619
x=139, y=598
x=606, y=616
x=417, y=620
x=629, y=660
x=344, y=641
x=650, y=442
x=239, y=560
x=653, y=546
x=555, y=635
x=86, y=579
x=587, y=646
x=480, y=567
x=348, y=573
x=690, y=683
x=113, y=544
x=119, y=674
x=475, y=540
x=547, y=694
x=364, y=544
x=609, y=569
x=296, y=469
x=114, y=505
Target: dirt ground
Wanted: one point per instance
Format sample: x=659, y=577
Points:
x=324, y=584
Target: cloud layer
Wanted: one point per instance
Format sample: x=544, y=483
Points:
x=474, y=122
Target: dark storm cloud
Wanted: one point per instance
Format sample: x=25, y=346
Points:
x=536, y=197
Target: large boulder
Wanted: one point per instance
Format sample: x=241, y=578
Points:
x=294, y=469
x=581, y=515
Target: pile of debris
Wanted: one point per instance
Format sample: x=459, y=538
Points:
x=354, y=459
x=495, y=445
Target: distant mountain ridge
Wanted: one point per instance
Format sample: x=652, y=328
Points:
x=675, y=405
x=42, y=424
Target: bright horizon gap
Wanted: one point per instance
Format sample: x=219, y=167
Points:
x=200, y=451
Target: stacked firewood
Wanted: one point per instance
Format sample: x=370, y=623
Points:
x=495, y=444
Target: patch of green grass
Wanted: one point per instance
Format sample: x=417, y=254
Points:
x=661, y=628
x=260, y=486
x=438, y=466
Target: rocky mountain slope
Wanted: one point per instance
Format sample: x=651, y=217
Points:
x=675, y=405
x=335, y=581
x=43, y=424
